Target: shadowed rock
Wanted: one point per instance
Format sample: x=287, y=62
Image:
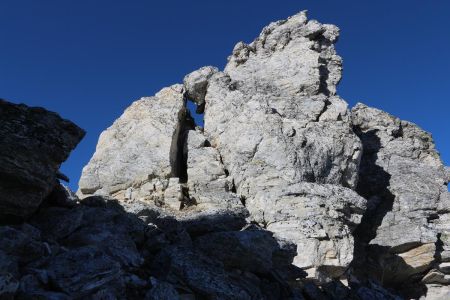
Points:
x=404, y=180
x=33, y=144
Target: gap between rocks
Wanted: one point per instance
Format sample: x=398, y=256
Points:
x=188, y=119
x=178, y=160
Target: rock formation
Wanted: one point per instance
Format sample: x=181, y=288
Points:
x=33, y=144
x=140, y=148
x=284, y=194
x=405, y=183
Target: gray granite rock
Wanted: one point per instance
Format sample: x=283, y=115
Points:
x=203, y=275
x=162, y=291
x=62, y=196
x=24, y=246
x=33, y=144
x=8, y=286
x=57, y=222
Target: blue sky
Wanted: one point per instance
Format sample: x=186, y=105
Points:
x=89, y=59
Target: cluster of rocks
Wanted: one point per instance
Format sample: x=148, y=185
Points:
x=284, y=194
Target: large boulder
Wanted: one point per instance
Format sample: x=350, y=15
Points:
x=33, y=144
x=196, y=84
x=139, y=148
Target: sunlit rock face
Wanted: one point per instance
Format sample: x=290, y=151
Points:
x=286, y=139
x=284, y=194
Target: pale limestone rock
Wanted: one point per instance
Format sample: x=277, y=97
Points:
x=319, y=219
x=437, y=292
x=196, y=84
x=280, y=149
x=208, y=182
x=419, y=258
x=210, y=190
x=404, y=181
x=269, y=109
x=140, y=145
x=436, y=277
x=173, y=194
x=274, y=119
x=447, y=170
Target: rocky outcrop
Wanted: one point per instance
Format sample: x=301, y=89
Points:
x=273, y=116
x=33, y=144
x=284, y=194
x=139, y=151
x=404, y=181
x=196, y=84
x=319, y=219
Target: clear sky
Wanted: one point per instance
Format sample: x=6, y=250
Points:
x=89, y=59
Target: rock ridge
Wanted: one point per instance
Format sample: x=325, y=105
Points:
x=286, y=193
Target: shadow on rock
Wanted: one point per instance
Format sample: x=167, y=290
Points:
x=374, y=263
x=99, y=249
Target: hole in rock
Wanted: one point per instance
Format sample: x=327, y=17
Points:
x=192, y=108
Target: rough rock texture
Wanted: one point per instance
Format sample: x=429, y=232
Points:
x=285, y=194
x=139, y=147
x=278, y=90
x=319, y=219
x=276, y=122
x=33, y=144
x=404, y=181
x=208, y=182
x=196, y=84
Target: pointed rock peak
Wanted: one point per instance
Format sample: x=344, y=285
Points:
x=294, y=55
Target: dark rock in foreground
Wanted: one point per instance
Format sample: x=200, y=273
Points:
x=33, y=144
